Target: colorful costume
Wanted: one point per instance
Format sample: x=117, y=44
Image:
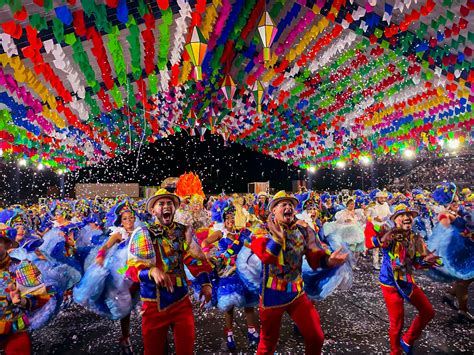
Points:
x=164, y=247
x=104, y=289
x=15, y=319
x=346, y=230
x=454, y=243
x=402, y=254
x=282, y=283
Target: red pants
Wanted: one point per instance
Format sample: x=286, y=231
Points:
x=16, y=344
x=394, y=302
x=305, y=316
x=155, y=326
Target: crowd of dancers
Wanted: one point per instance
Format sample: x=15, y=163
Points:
x=279, y=253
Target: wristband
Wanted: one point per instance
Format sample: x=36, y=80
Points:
x=101, y=253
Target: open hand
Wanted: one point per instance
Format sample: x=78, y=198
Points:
x=162, y=279
x=99, y=260
x=276, y=230
x=431, y=258
x=206, y=293
x=337, y=258
x=14, y=294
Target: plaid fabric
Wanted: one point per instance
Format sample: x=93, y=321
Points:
x=141, y=246
x=28, y=275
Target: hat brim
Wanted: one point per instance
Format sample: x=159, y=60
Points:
x=396, y=214
x=275, y=201
x=152, y=200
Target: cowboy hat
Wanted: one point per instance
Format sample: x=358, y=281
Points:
x=281, y=196
x=162, y=193
x=402, y=208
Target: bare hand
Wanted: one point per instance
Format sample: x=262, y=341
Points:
x=162, y=279
x=40, y=255
x=337, y=258
x=14, y=294
x=388, y=237
x=276, y=230
x=431, y=258
x=99, y=260
x=206, y=292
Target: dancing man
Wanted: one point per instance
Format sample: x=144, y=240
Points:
x=156, y=260
x=403, y=252
x=281, y=245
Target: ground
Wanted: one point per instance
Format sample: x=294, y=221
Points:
x=353, y=321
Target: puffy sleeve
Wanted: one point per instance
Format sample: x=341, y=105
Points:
x=265, y=246
x=373, y=235
x=228, y=252
x=142, y=256
x=200, y=269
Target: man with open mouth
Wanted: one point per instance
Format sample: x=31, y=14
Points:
x=156, y=259
x=403, y=252
x=281, y=245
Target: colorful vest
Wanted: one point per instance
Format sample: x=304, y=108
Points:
x=401, y=257
x=170, y=247
x=282, y=284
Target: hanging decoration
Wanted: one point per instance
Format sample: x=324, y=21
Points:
x=196, y=48
x=309, y=83
x=228, y=89
x=267, y=31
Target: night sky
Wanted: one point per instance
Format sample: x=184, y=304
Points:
x=221, y=167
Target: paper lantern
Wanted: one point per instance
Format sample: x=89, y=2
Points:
x=228, y=88
x=202, y=131
x=267, y=31
x=196, y=48
x=191, y=122
x=213, y=116
x=257, y=91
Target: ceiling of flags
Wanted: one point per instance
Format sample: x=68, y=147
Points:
x=310, y=82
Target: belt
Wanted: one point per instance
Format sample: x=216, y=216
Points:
x=275, y=283
x=14, y=326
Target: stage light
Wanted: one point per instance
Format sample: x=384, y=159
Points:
x=60, y=172
x=341, y=164
x=365, y=160
x=40, y=166
x=454, y=144
x=409, y=153
x=1, y=152
x=312, y=169
x=22, y=162
x=441, y=142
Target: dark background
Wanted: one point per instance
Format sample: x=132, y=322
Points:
x=222, y=166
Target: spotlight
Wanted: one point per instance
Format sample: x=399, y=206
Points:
x=441, y=142
x=60, y=172
x=1, y=152
x=365, y=160
x=409, y=153
x=312, y=169
x=454, y=144
x=22, y=162
x=40, y=166
x=341, y=164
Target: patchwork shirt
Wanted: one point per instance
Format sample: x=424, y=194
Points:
x=171, y=249
x=282, y=281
